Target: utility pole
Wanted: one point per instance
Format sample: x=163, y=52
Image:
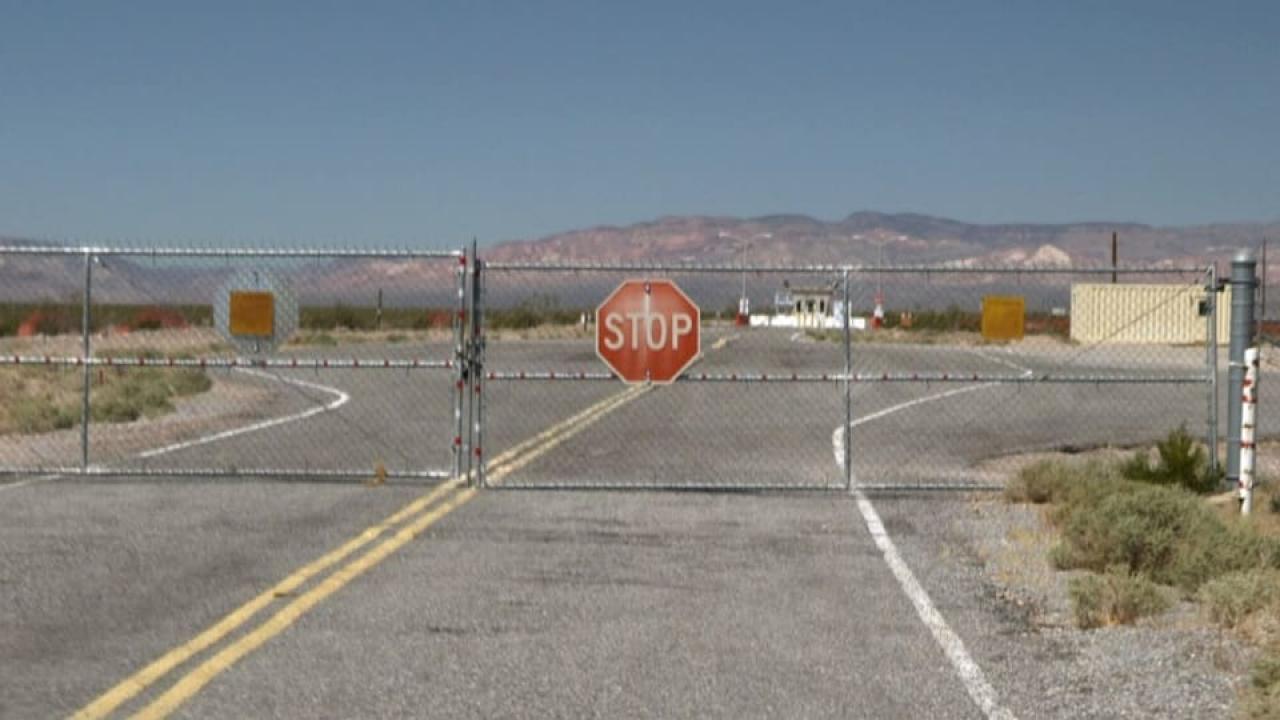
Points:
x=1115, y=246
x=1263, y=314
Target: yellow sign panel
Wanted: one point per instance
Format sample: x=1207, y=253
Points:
x=1003, y=317
x=253, y=313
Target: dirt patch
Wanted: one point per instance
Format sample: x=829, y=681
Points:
x=340, y=337
x=233, y=401
x=195, y=342
x=42, y=399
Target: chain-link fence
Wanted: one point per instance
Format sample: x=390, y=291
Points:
x=1105, y=359
x=406, y=365
x=123, y=362
x=772, y=399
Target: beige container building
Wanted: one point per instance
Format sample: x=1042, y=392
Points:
x=1167, y=314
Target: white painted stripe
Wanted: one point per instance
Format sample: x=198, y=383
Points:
x=340, y=399
x=975, y=682
x=1002, y=361
x=970, y=674
x=28, y=481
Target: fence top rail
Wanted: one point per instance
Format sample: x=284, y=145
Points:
x=943, y=268
x=63, y=250
x=836, y=376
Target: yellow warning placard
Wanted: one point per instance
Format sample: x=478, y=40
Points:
x=252, y=313
x=1003, y=317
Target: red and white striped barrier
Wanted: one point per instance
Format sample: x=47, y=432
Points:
x=1248, y=422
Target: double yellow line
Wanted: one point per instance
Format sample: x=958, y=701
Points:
x=413, y=521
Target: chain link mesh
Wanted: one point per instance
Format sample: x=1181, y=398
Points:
x=378, y=377
x=362, y=383
x=932, y=403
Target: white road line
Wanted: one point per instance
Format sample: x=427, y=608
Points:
x=28, y=481
x=975, y=682
x=1002, y=361
x=340, y=398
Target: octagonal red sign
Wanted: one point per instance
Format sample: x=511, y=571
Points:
x=648, y=331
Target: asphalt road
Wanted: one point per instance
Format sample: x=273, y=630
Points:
x=568, y=603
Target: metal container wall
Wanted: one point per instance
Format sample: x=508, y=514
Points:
x=1147, y=313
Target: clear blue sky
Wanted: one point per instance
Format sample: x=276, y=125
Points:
x=426, y=123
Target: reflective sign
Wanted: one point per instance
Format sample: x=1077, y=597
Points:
x=648, y=331
x=252, y=313
x=1003, y=317
x=255, y=312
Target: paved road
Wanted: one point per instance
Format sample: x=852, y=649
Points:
x=574, y=603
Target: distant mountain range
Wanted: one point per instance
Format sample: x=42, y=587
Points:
x=860, y=238
x=906, y=238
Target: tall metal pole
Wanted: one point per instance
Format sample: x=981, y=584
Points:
x=459, y=365
x=879, y=271
x=1211, y=360
x=477, y=362
x=87, y=380
x=1115, y=256
x=468, y=371
x=848, y=389
x=1262, y=313
x=1244, y=284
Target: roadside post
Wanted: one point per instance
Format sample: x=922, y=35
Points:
x=1248, y=423
x=86, y=324
x=848, y=385
x=1244, y=283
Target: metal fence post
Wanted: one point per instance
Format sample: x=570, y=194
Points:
x=459, y=364
x=1211, y=360
x=848, y=388
x=87, y=381
x=468, y=367
x=1244, y=283
x=477, y=363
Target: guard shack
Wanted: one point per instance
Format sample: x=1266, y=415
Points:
x=811, y=306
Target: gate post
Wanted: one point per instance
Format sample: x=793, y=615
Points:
x=460, y=366
x=1211, y=363
x=87, y=381
x=475, y=370
x=1244, y=283
x=848, y=388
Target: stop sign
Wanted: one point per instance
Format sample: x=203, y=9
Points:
x=648, y=330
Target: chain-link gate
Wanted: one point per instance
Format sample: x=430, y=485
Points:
x=743, y=416
x=124, y=362
x=844, y=376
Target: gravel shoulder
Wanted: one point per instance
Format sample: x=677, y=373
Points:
x=1172, y=665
